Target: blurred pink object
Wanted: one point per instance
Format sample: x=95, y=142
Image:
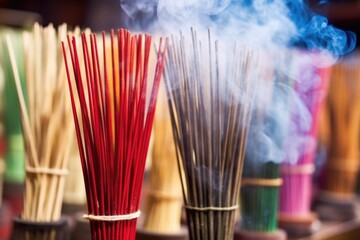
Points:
x=298, y=167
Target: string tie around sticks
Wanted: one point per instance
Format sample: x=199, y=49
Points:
x=275, y=182
x=298, y=169
x=217, y=209
x=44, y=170
x=343, y=164
x=112, y=218
x=162, y=195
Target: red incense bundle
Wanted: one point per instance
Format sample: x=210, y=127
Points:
x=113, y=106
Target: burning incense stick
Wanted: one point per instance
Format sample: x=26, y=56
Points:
x=47, y=145
x=113, y=122
x=297, y=171
x=164, y=196
x=209, y=86
x=343, y=105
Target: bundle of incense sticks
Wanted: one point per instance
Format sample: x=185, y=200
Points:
x=46, y=123
x=164, y=196
x=113, y=107
x=264, y=152
x=74, y=192
x=209, y=86
x=298, y=168
x=343, y=106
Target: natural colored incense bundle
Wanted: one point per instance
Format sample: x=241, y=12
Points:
x=164, y=195
x=113, y=122
x=264, y=152
x=46, y=123
x=74, y=192
x=343, y=107
x=209, y=86
x=298, y=167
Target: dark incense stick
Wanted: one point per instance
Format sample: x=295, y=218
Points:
x=113, y=122
x=209, y=86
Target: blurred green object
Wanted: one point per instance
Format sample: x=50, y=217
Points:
x=14, y=156
x=15, y=159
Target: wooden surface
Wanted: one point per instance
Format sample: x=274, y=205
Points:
x=349, y=230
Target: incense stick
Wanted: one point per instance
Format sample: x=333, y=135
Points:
x=164, y=199
x=343, y=105
x=74, y=191
x=47, y=145
x=113, y=123
x=264, y=152
x=209, y=89
x=295, y=193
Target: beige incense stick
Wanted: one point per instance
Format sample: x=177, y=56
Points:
x=343, y=108
x=47, y=122
x=164, y=200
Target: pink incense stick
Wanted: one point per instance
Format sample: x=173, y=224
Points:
x=298, y=168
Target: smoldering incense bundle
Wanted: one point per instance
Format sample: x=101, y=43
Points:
x=164, y=195
x=113, y=122
x=343, y=106
x=297, y=170
x=209, y=86
x=264, y=152
x=46, y=123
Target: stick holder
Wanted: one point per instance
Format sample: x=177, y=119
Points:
x=336, y=199
x=142, y=234
x=299, y=226
x=333, y=208
x=29, y=230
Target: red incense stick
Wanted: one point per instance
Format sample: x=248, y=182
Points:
x=113, y=109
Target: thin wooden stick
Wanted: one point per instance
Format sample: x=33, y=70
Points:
x=210, y=127
x=47, y=145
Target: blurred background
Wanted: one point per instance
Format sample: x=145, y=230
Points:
x=106, y=14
